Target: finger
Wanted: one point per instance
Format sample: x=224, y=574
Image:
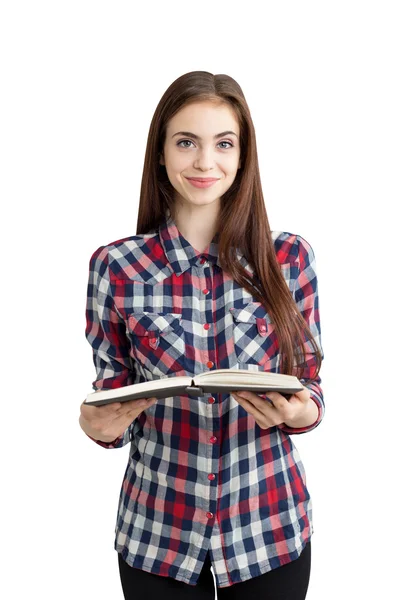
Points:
x=121, y=421
x=275, y=400
x=125, y=417
x=125, y=406
x=113, y=409
x=303, y=395
x=258, y=401
x=101, y=411
x=129, y=404
x=280, y=406
x=259, y=415
x=134, y=405
x=109, y=408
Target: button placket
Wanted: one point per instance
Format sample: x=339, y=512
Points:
x=211, y=400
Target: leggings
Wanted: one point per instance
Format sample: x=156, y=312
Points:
x=289, y=581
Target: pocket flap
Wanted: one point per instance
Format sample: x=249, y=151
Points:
x=140, y=323
x=250, y=312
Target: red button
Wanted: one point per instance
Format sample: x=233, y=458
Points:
x=207, y=326
x=209, y=515
x=213, y=439
x=211, y=400
x=211, y=476
x=261, y=326
x=154, y=340
x=206, y=291
x=210, y=364
x=203, y=260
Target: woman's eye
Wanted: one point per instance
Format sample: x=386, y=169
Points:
x=230, y=144
x=190, y=142
x=183, y=141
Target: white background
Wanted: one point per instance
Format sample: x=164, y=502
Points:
x=79, y=85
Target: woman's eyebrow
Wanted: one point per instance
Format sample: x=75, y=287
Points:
x=196, y=137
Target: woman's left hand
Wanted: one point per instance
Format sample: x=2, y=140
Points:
x=279, y=411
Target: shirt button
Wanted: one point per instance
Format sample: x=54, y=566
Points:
x=213, y=439
x=207, y=326
x=211, y=476
x=209, y=515
x=205, y=291
x=202, y=260
x=210, y=364
x=261, y=326
x=211, y=400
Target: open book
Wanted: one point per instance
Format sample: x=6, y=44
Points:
x=218, y=381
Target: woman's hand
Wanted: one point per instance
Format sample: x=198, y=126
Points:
x=279, y=411
x=107, y=422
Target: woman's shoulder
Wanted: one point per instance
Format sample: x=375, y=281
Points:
x=292, y=247
x=125, y=257
x=131, y=243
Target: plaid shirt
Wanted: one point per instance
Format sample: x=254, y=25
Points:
x=201, y=474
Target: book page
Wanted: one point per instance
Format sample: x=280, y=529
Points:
x=239, y=376
x=143, y=387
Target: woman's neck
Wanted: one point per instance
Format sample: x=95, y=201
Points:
x=198, y=225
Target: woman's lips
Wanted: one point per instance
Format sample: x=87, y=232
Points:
x=202, y=183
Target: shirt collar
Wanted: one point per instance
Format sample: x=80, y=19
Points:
x=181, y=254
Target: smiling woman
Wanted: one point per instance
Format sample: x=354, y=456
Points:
x=205, y=284
x=208, y=161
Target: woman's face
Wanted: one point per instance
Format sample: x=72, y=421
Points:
x=201, y=151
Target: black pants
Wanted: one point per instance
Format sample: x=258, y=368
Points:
x=289, y=582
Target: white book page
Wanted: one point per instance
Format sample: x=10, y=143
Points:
x=144, y=386
x=228, y=376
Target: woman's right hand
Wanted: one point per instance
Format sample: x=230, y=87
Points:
x=107, y=422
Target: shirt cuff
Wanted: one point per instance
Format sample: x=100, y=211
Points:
x=297, y=430
x=117, y=443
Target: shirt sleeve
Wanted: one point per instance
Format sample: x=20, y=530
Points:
x=105, y=332
x=306, y=297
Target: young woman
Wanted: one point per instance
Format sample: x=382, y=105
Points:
x=205, y=284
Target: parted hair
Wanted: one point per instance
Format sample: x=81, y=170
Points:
x=242, y=221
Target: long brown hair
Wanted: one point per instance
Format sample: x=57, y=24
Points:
x=242, y=221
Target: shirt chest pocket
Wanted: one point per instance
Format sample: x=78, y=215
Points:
x=254, y=336
x=157, y=341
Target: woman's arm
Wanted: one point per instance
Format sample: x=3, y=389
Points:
x=307, y=300
x=105, y=332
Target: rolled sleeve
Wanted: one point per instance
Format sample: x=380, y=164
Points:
x=307, y=300
x=117, y=443
x=106, y=333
